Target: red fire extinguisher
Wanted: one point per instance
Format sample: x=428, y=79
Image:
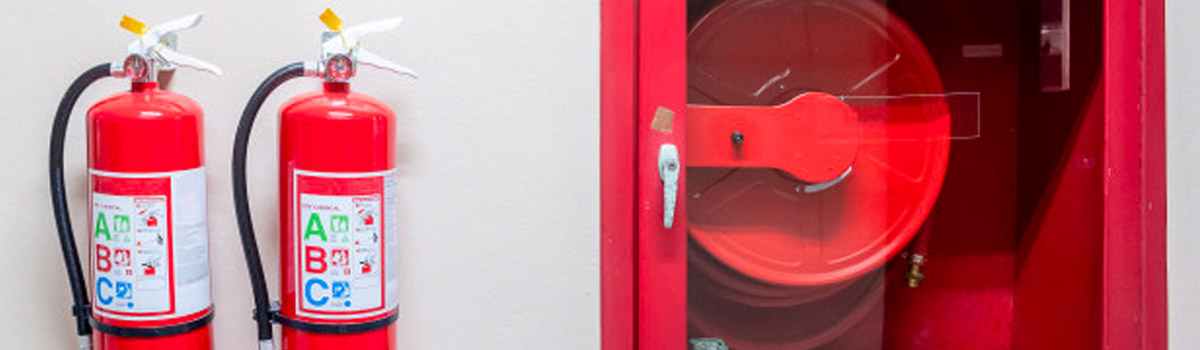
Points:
x=337, y=196
x=148, y=239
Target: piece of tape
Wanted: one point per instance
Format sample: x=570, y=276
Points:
x=663, y=118
x=331, y=20
x=133, y=25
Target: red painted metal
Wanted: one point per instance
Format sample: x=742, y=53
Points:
x=618, y=175
x=197, y=339
x=332, y=131
x=767, y=225
x=814, y=137
x=821, y=321
x=1134, y=261
x=806, y=251
x=147, y=130
x=720, y=279
x=968, y=301
x=661, y=252
x=1062, y=237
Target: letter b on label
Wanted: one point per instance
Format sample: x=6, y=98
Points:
x=103, y=264
x=314, y=260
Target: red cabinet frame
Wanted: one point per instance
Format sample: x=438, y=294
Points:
x=1134, y=292
x=643, y=264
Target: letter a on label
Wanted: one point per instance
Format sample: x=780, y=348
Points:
x=314, y=227
x=102, y=227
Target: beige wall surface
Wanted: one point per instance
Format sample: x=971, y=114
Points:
x=1183, y=173
x=498, y=157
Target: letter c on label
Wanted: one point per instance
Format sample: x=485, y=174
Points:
x=102, y=281
x=308, y=293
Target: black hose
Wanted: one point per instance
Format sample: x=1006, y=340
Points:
x=58, y=195
x=241, y=141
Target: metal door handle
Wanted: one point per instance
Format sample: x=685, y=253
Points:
x=668, y=170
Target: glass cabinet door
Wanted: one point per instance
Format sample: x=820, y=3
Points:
x=865, y=174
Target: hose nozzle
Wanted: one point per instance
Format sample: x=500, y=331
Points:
x=266, y=344
x=85, y=342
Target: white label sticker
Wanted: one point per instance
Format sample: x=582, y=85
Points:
x=345, y=230
x=149, y=245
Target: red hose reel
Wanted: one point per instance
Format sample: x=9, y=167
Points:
x=797, y=198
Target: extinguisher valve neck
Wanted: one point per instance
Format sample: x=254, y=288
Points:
x=154, y=49
x=342, y=49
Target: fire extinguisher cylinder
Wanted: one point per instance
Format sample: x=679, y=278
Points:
x=146, y=202
x=337, y=203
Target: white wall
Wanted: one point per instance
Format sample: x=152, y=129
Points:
x=1183, y=172
x=498, y=157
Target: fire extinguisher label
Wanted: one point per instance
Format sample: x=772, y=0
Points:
x=345, y=236
x=149, y=245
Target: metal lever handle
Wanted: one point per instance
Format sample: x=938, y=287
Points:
x=668, y=170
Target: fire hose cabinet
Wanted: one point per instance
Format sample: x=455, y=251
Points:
x=891, y=174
